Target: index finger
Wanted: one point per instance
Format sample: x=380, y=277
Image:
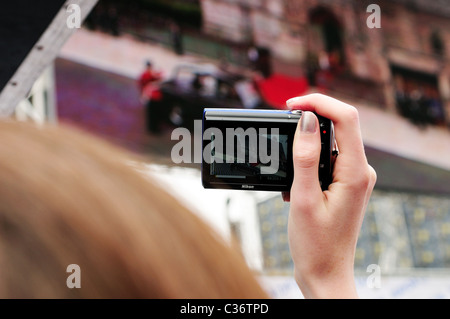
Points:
x=345, y=119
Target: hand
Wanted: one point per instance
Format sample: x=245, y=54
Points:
x=323, y=227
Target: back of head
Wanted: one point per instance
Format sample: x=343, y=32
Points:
x=69, y=198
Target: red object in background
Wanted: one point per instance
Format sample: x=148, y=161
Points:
x=278, y=88
x=152, y=92
x=147, y=85
x=147, y=77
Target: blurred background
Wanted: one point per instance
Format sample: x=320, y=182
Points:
x=138, y=69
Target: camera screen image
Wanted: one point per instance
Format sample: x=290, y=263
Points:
x=228, y=165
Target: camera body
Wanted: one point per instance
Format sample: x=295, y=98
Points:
x=252, y=149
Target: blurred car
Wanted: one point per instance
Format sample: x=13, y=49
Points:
x=191, y=88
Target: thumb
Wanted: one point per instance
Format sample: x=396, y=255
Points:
x=306, y=157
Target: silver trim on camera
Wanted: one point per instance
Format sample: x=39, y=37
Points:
x=253, y=115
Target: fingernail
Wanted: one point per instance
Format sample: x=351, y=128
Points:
x=308, y=122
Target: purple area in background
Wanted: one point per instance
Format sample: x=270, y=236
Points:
x=102, y=103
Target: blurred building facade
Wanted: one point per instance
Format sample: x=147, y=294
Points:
x=403, y=67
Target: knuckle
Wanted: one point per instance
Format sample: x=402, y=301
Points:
x=362, y=181
x=306, y=159
x=352, y=113
x=365, y=179
x=373, y=175
x=305, y=204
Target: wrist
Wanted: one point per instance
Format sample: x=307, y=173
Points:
x=329, y=286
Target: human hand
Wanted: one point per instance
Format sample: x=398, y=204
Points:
x=323, y=227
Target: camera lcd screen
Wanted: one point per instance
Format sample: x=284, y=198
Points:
x=231, y=167
x=244, y=155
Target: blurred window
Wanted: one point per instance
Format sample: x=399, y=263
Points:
x=331, y=30
x=437, y=45
x=417, y=96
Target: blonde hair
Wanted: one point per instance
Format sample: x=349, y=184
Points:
x=67, y=197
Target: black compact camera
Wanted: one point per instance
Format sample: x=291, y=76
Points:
x=252, y=149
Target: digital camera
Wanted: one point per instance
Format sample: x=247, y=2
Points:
x=252, y=149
